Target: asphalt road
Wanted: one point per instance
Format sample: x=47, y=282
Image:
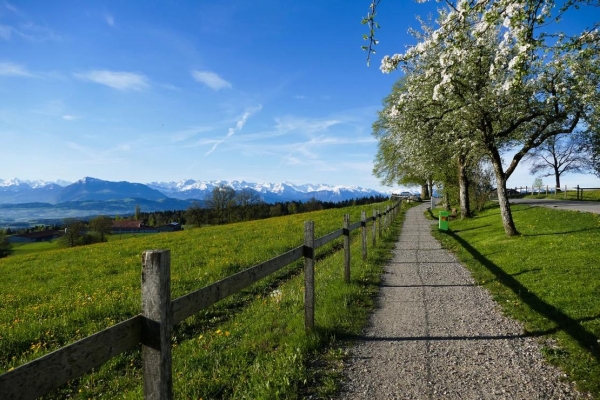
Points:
x=582, y=206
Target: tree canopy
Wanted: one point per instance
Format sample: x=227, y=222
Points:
x=489, y=76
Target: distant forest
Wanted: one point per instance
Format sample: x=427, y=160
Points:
x=221, y=208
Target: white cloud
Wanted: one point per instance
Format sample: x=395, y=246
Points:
x=70, y=117
x=11, y=69
x=116, y=80
x=211, y=80
x=238, y=127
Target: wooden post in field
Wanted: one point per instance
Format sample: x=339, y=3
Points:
x=363, y=228
x=379, y=222
x=158, y=324
x=309, y=275
x=347, y=248
x=565, y=192
x=388, y=217
x=374, y=227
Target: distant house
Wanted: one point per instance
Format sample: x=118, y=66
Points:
x=172, y=227
x=139, y=227
x=42, y=236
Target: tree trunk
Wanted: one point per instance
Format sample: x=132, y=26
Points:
x=463, y=185
x=430, y=185
x=424, y=191
x=446, y=200
x=557, y=175
x=507, y=219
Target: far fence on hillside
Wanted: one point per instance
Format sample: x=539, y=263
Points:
x=153, y=327
x=566, y=193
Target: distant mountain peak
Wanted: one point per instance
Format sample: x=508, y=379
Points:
x=16, y=191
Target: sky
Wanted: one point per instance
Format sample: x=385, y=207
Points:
x=261, y=91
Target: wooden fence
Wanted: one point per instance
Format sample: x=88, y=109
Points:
x=547, y=190
x=153, y=327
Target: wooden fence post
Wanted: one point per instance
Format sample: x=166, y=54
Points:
x=347, y=248
x=379, y=222
x=387, y=217
x=363, y=228
x=309, y=275
x=158, y=325
x=374, y=228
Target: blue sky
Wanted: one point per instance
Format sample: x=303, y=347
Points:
x=262, y=91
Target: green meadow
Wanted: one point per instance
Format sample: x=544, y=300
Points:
x=548, y=277
x=251, y=345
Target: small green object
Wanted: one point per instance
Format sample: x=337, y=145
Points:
x=443, y=218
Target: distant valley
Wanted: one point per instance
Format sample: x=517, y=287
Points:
x=25, y=202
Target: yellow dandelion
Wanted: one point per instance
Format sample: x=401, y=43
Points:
x=227, y=333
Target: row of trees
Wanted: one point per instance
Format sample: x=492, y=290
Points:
x=487, y=79
x=78, y=232
x=225, y=205
x=5, y=245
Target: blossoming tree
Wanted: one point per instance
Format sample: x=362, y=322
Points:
x=503, y=78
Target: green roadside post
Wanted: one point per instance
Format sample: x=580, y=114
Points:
x=443, y=219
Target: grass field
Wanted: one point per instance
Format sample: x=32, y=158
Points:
x=28, y=248
x=253, y=343
x=548, y=278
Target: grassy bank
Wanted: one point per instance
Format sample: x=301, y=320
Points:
x=548, y=278
x=253, y=343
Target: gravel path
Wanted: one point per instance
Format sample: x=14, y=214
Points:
x=435, y=335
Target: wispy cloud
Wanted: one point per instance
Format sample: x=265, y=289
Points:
x=306, y=125
x=110, y=20
x=21, y=26
x=97, y=156
x=211, y=80
x=184, y=134
x=11, y=8
x=68, y=117
x=11, y=69
x=5, y=32
x=116, y=80
x=238, y=127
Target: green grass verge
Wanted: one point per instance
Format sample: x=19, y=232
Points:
x=251, y=345
x=548, y=278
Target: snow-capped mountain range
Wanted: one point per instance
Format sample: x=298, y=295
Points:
x=15, y=191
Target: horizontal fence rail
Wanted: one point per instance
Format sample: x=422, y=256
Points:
x=49, y=372
x=152, y=328
x=194, y=302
